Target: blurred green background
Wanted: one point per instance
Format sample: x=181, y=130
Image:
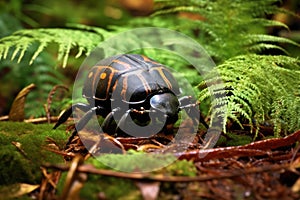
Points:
x=45, y=73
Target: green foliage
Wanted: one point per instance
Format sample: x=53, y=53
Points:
x=41, y=73
x=228, y=28
x=66, y=39
x=8, y=28
x=232, y=139
x=18, y=75
x=18, y=167
x=133, y=161
x=258, y=88
x=14, y=8
x=112, y=187
x=181, y=168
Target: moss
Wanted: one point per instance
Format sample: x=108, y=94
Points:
x=236, y=140
x=181, y=168
x=14, y=168
x=133, y=161
x=23, y=164
x=118, y=188
x=112, y=188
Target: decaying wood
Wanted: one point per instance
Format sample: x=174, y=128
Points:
x=253, y=149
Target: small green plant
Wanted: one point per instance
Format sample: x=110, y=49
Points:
x=258, y=88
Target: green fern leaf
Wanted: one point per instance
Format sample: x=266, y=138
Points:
x=263, y=88
x=66, y=39
x=254, y=38
x=226, y=28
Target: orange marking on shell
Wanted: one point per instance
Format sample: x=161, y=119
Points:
x=124, y=89
x=163, y=76
x=145, y=83
x=109, y=80
x=91, y=74
x=148, y=60
x=126, y=65
x=103, y=75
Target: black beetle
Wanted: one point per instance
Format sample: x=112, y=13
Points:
x=131, y=85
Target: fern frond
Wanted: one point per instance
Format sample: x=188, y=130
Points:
x=228, y=28
x=254, y=38
x=169, y=3
x=260, y=88
x=191, y=9
x=66, y=39
x=268, y=23
x=260, y=47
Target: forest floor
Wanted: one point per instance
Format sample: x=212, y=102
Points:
x=40, y=163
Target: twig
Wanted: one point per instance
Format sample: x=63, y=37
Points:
x=253, y=149
x=40, y=120
x=49, y=99
x=217, y=153
x=273, y=143
x=35, y=120
x=4, y=118
x=90, y=169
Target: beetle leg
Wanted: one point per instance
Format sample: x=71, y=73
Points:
x=123, y=119
x=191, y=107
x=108, y=121
x=87, y=116
x=125, y=128
x=68, y=112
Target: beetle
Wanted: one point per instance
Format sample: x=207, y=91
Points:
x=131, y=87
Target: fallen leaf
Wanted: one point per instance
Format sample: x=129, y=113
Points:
x=16, y=112
x=296, y=186
x=149, y=190
x=16, y=190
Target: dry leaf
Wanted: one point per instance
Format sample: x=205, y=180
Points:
x=296, y=186
x=149, y=190
x=16, y=112
x=17, y=190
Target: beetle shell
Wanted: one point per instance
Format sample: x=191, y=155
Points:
x=134, y=94
x=132, y=78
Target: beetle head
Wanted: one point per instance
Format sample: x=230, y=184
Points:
x=166, y=103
